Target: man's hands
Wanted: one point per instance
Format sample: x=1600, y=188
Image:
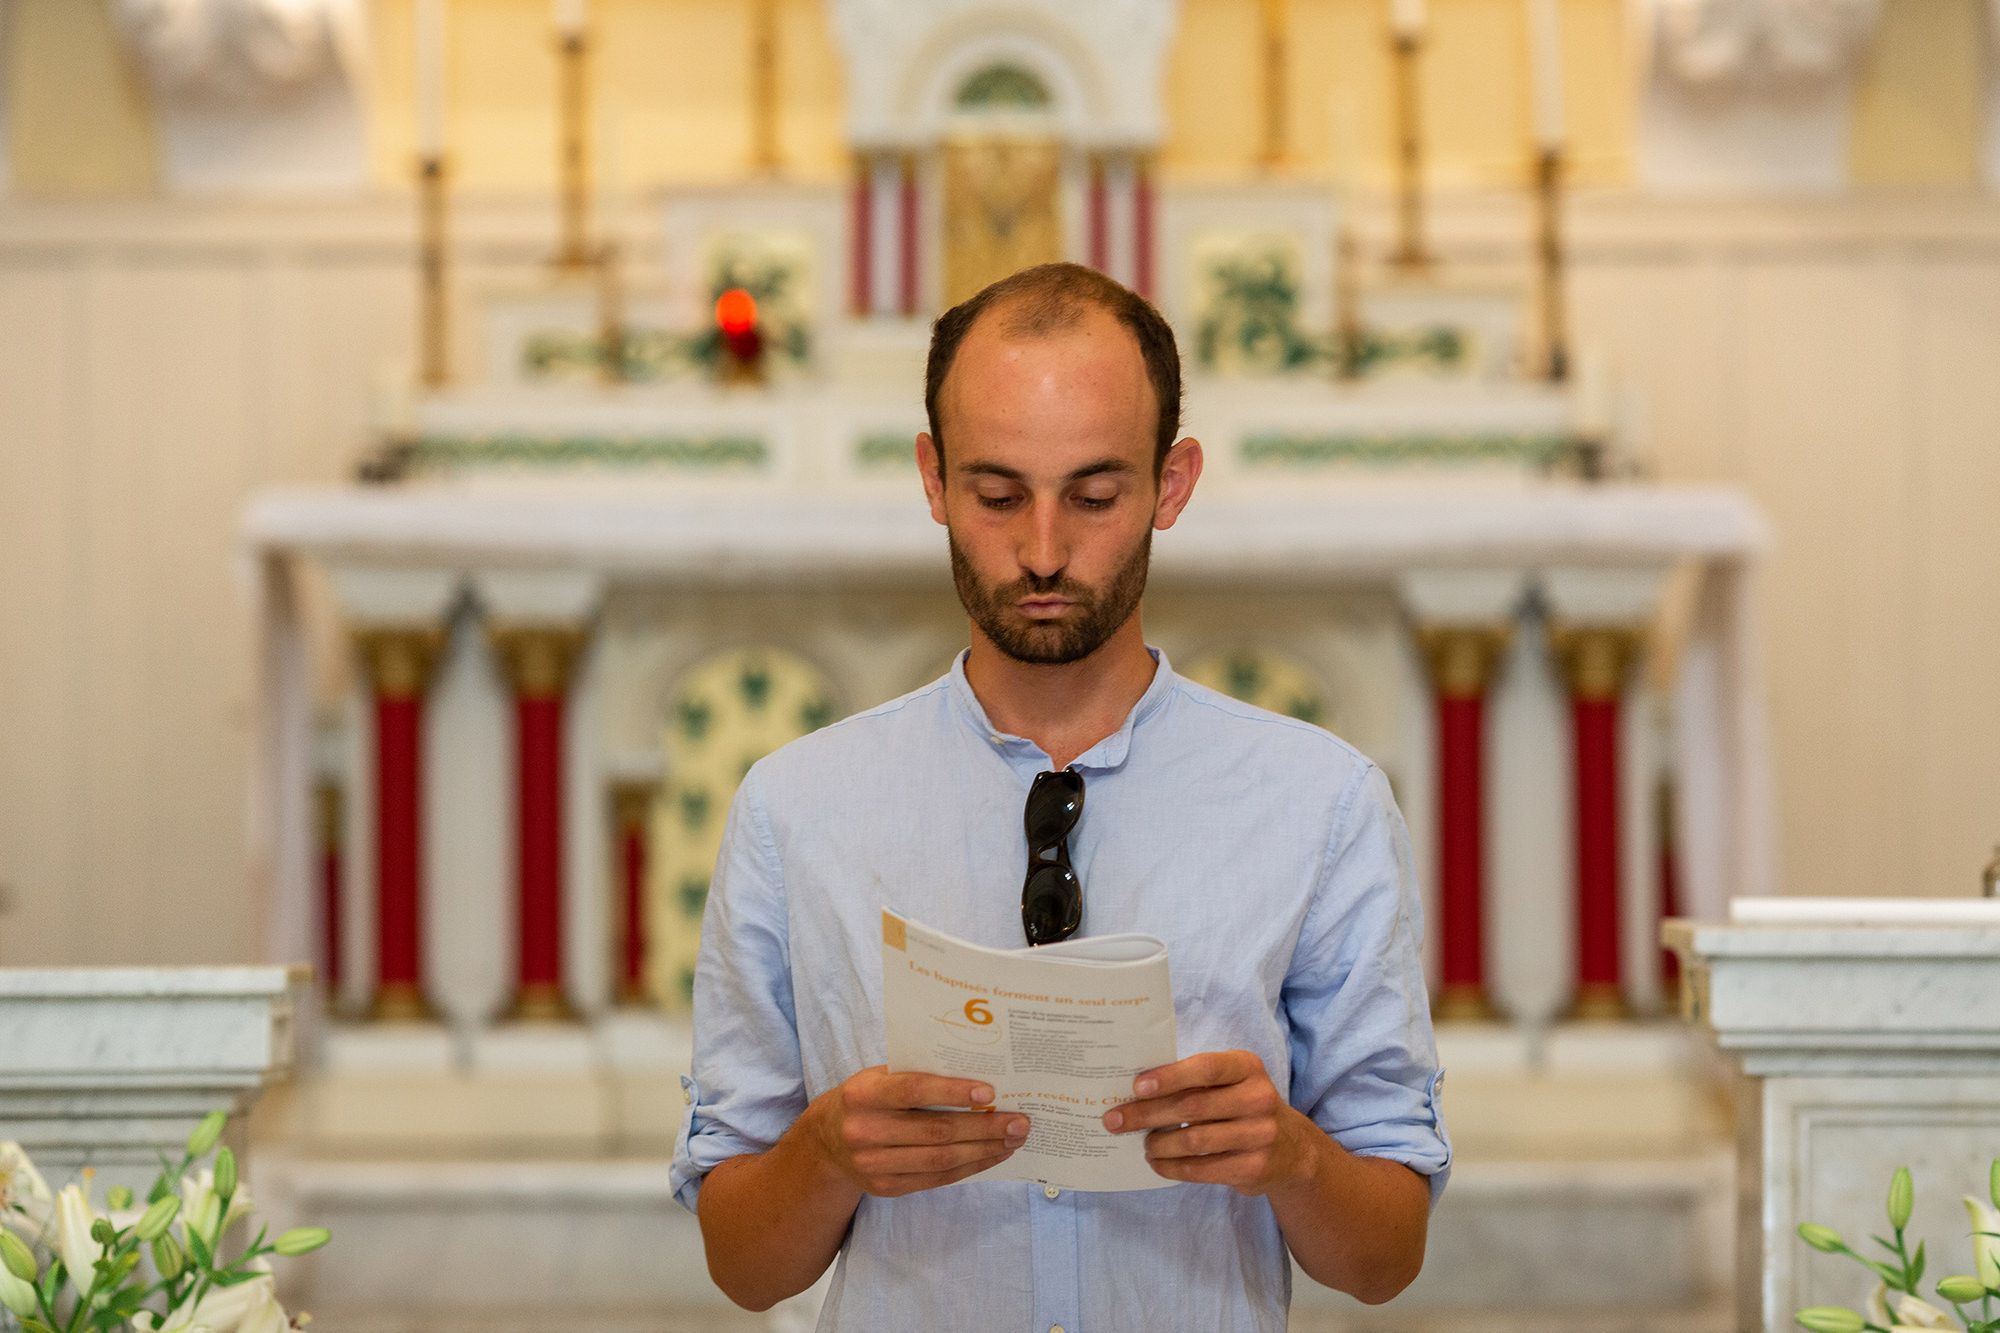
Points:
x=1217, y=1119
x=873, y=1131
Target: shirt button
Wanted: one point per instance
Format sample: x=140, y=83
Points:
x=1051, y=1192
x=995, y=738
x=1055, y=1328
x=687, y=1098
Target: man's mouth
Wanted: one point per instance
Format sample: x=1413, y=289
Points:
x=1043, y=608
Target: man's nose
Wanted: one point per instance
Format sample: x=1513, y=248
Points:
x=1044, y=550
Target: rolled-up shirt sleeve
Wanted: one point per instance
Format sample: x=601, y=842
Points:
x=747, y=1085
x=1364, y=1060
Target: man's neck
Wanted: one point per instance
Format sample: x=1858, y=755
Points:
x=1064, y=709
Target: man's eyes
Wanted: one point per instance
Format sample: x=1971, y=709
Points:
x=1092, y=500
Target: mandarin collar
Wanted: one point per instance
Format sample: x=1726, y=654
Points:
x=1108, y=754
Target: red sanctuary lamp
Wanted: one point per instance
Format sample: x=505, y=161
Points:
x=742, y=359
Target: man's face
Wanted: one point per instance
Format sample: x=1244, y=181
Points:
x=1047, y=487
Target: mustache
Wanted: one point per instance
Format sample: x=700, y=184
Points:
x=1034, y=585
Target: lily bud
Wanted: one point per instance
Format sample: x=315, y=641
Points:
x=1829, y=1319
x=1824, y=1239
x=302, y=1240
x=206, y=1133
x=158, y=1218
x=20, y=1260
x=1960, y=1290
x=1902, y=1196
x=102, y=1231
x=227, y=1175
x=16, y=1295
x=118, y=1198
x=168, y=1257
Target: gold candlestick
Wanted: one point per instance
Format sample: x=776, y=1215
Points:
x=433, y=328
x=573, y=148
x=764, y=87
x=1276, y=47
x=1406, y=48
x=1347, y=330
x=1549, y=262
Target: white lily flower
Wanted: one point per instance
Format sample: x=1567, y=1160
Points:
x=1985, y=1248
x=247, y=1307
x=199, y=1206
x=78, y=1248
x=1919, y=1316
x=21, y=1185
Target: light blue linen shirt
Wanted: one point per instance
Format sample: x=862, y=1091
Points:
x=1268, y=855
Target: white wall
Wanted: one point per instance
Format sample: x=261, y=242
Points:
x=159, y=361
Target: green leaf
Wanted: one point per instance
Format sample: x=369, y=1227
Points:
x=198, y=1248
x=1917, y=1268
x=32, y=1325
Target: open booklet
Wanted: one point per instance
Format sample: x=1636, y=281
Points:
x=1059, y=1032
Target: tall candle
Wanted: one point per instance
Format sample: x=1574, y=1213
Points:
x=430, y=78
x=1406, y=17
x=1545, y=41
x=569, y=17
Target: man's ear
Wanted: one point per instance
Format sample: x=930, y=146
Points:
x=1177, y=478
x=930, y=466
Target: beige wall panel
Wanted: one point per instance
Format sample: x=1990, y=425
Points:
x=670, y=92
x=1957, y=641
x=1665, y=332
x=1918, y=101
x=1826, y=447
x=77, y=119
x=39, y=348
x=1212, y=88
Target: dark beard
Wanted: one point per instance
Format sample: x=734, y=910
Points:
x=1097, y=616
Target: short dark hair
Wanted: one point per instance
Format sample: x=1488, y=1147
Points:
x=1050, y=298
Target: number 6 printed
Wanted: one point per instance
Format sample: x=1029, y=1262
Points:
x=977, y=1012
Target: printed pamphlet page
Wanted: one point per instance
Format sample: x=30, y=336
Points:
x=1059, y=1032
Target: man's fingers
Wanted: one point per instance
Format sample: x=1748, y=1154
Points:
x=888, y=1165
x=1210, y=1069
x=1233, y=1102
x=1228, y=1136
x=879, y=1088
x=896, y=1129
x=1230, y=1168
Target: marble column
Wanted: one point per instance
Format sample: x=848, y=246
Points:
x=399, y=663
x=1463, y=624
x=538, y=661
x=1596, y=661
x=631, y=816
x=1462, y=660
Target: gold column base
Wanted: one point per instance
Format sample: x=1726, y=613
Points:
x=1463, y=1002
x=542, y=1002
x=400, y=1002
x=1598, y=1002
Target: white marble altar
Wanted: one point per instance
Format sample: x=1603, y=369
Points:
x=1866, y=1043
x=110, y=1067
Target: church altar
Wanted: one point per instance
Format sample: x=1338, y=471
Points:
x=109, y=1068
x=1863, y=1032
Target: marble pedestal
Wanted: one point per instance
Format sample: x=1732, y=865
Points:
x=112, y=1067
x=1868, y=1040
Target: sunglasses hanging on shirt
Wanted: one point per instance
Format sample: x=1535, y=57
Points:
x=1051, y=896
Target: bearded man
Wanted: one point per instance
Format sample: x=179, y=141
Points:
x=1266, y=853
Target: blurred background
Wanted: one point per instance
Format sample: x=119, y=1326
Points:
x=444, y=442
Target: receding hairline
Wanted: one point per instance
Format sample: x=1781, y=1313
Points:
x=1042, y=315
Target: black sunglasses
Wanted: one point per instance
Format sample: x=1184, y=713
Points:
x=1051, y=896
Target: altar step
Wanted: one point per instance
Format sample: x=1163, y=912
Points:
x=422, y=1247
